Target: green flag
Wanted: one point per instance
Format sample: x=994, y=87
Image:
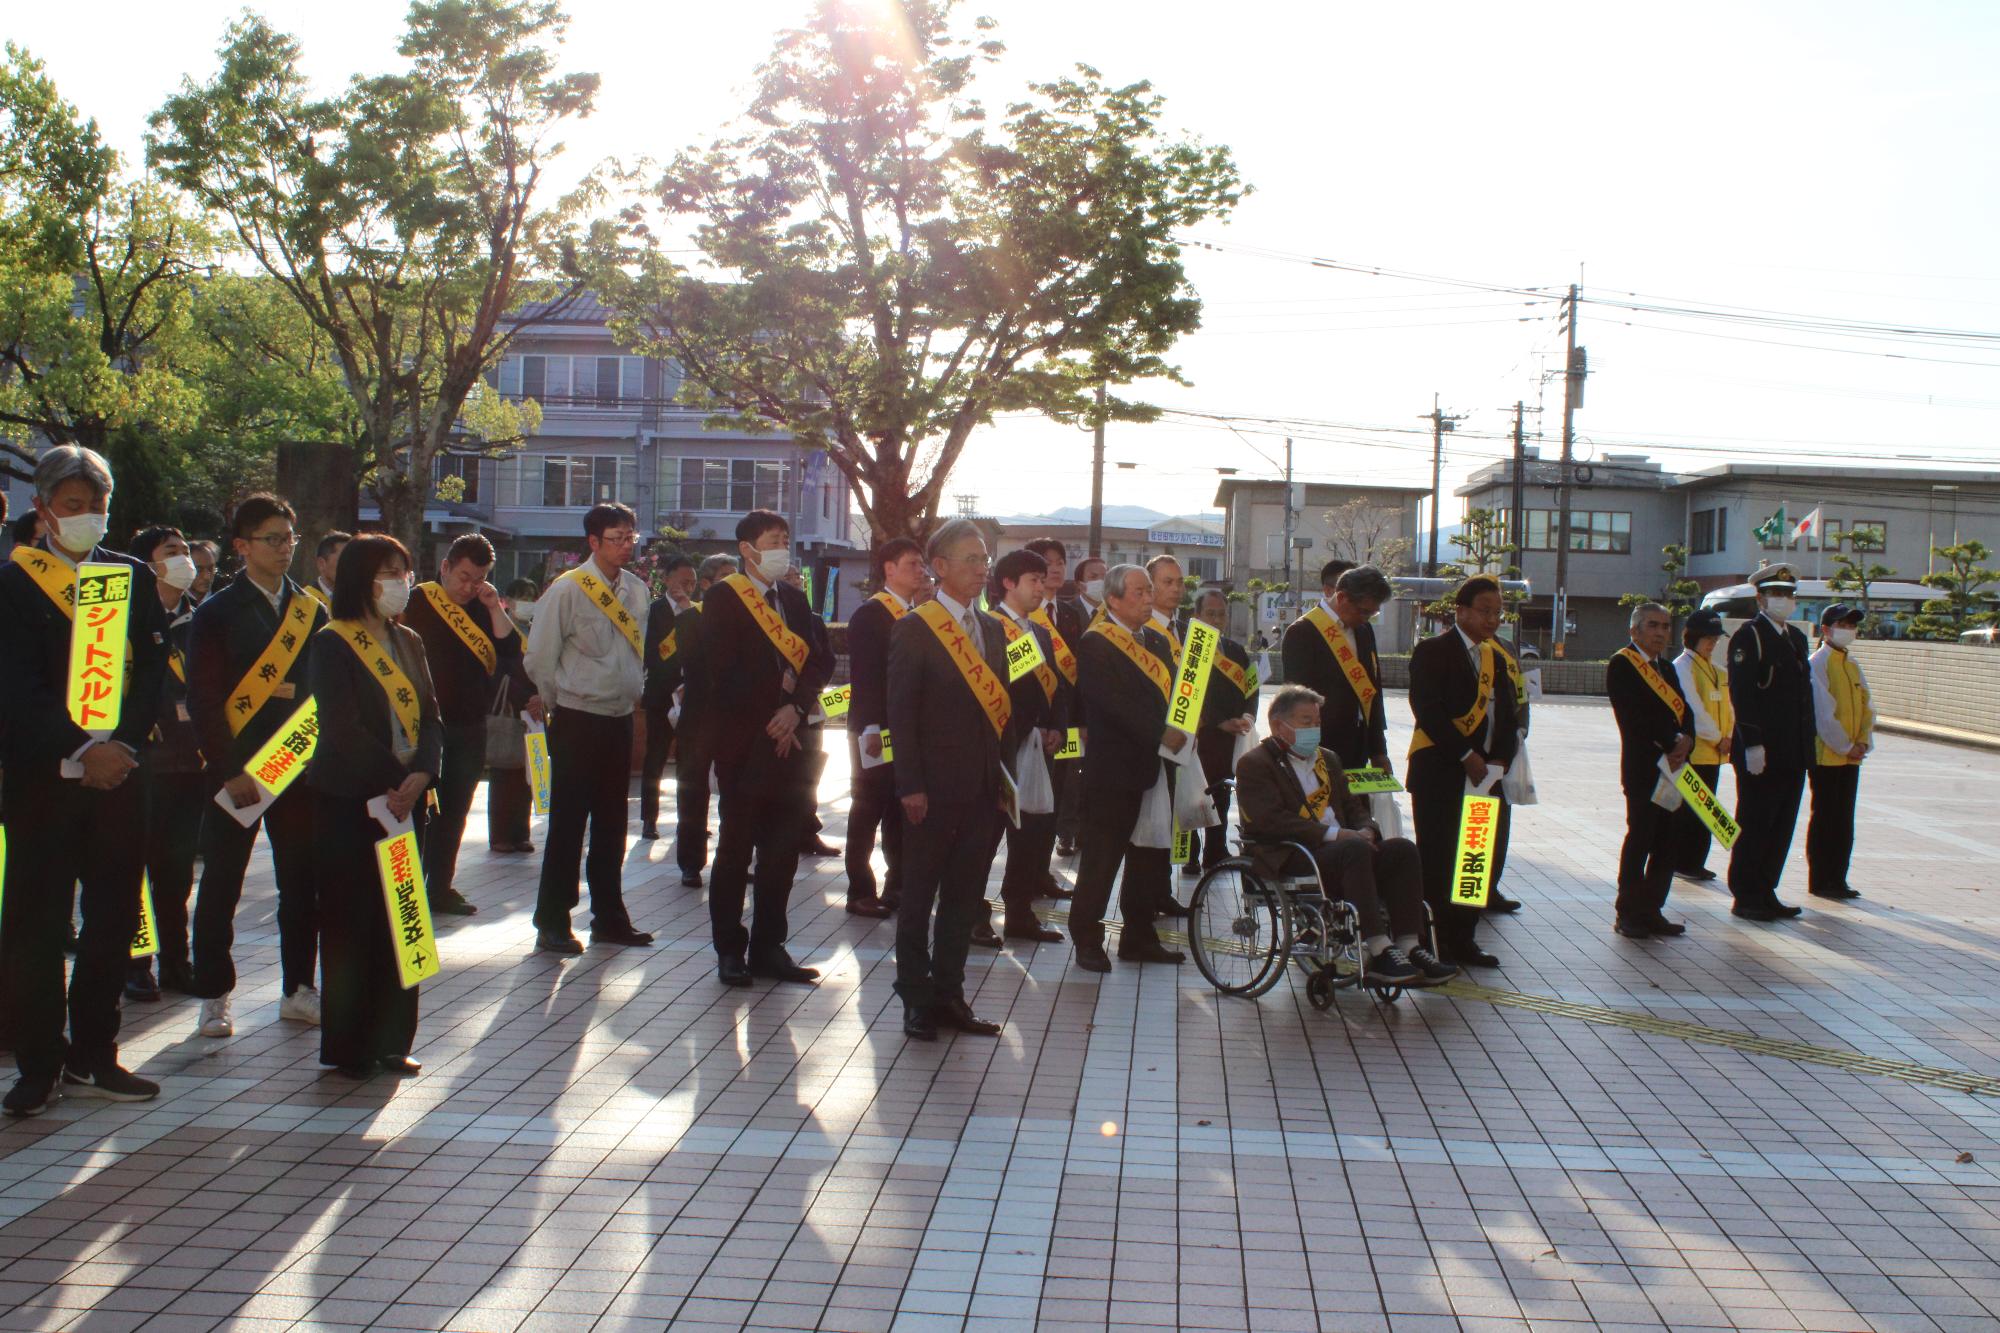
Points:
x=1772, y=530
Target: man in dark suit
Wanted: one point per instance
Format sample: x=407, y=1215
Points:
x=1084, y=608
x=899, y=566
x=1331, y=651
x=1770, y=689
x=1463, y=699
x=765, y=661
x=1294, y=790
x=694, y=727
x=1653, y=724
x=1061, y=614
x=664, y=666
x=952, y=721
x=1125, y=670
x=1041, y=699
x=75, y=809
x=1228, y=712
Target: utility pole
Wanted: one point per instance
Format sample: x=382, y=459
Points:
x=1573, y=373
x=1291, y=591
x=1440, y=423
x=1517, y=518
x=1097, y=481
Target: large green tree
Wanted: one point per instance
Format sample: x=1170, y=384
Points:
x=1964, y=602
x=886, y=268
x=406, y=217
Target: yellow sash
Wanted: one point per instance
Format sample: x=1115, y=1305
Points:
x=272, y=666
x=1320, y=797
x=1135, y=652
x=1046, y=677
x=1712, y=693
x=1514, y=674
x=894, y=607
x=1653, y=679
x=461, y=624
x=51, y=575
x=176, y=665
x=607, y=601
x=1173, y=639
x=988, y=688
x=403, y=700
x=1475, y=717
x=1851, y=707
x=1233, y=674
x=789, y=645
x=1350, y=661
x=59, y=581
x=1065, y=655
x=312, y=591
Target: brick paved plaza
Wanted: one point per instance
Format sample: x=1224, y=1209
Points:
x=619, y=1142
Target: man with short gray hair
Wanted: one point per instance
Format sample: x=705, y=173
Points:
x=74, y=818
x=1654, y=724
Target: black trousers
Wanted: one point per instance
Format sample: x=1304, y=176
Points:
x=175, y=806
x=763, y=820
x=1437, y=807
x=1385, y=884
x=1211, y=845
x=1691, y=836
x=1646, y=860
x=365, y=1014
x=874, y=807
x=659, y=740
x=1068, y=779
x=509, y=807
x=946, y=860
x=464, y=762
x=590, y=759
x=61, y=835
x=1108, y=818
x=1830, y=831
x=1767, y=809
x=225, y=856
x=691, y=797
x=1029, y=848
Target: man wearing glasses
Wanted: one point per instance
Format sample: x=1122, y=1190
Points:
x=247, y=654
x=585, y=652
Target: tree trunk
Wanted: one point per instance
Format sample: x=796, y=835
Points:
x=896, y=513
x=402, y=506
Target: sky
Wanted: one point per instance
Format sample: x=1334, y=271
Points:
x=1827, y=158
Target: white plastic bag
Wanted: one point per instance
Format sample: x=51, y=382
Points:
x=1194, y=808
x=1031, y=769
x=1518, y=786
x=1388, y=816
x=1156, y=816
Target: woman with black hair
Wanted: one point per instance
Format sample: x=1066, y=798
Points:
x=379, y=736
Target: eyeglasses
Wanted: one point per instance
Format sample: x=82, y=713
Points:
x=277, y=541
x=619, y=538
x=976, y=561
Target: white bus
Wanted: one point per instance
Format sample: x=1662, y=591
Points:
x=1892, y=605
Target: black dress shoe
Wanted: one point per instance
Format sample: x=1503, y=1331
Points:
x=1029, y=928
x=402, y=1066
x=1633, y=930
x=1840, y=893
x=778, y=966
x=1500, y=902
x=820, y=847
x=358, y=1071
x=690, y=879
x=1065, y=849
x=731, y=972
x=869, y=907
x=1756, y=912
x=450, y=902
x=648, y=833
x=139, y=985
x=1659, y=925
x=1051, y=887
x=1092, y=958
x=958, y=1014
x=1189, y=870
x=1471, y=955
x=1172, y=907
x=1785, y=909
x=620, y=935
x=177, y=977
x=1700, y=874
x=1151, y=951
x=918, y=1024
x=558, y=941
x=892, y=901
x=983, y=936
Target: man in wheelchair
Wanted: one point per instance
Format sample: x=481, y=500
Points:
x=1289, y=790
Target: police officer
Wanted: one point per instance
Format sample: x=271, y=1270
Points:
x=1770, y=687
x=1844, y=726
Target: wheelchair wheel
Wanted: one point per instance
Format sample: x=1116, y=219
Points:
x=1321, y=987
x=1241, y=930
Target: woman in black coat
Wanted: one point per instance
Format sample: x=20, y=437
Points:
x=379, y=735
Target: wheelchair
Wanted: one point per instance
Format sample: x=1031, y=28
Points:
x=1245, y=928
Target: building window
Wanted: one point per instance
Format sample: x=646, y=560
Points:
x=464, y=466
x=1708, y=531
x=574, y=381
x=720, y=485
x=558, y=481
x=1590, y=530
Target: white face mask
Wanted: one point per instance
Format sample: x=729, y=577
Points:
x=774, y=565
x=1780, y=608
x=1840, y=635
x=177, y=572
x=524, y=609
x=81, y=532
x=391, y=596
x=1094, y=590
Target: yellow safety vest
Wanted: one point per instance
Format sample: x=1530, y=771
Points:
x=1711, y=690
x=1850, y=706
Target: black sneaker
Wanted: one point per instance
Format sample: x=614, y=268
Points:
x=30, y=1095
x=1431, y=966
x=1392, y=967
x=111, y=1083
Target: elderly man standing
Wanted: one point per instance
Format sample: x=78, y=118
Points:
x=953, y=724
x=75, y=811
x=1125, y=669
x=1653, y=724
x=1770, y=689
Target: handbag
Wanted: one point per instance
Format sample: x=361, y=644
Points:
x=506, y=734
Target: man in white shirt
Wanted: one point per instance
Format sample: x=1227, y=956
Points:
x=1702, y=671
x=1844, y=726
x=1168, y=583
x=584, y=656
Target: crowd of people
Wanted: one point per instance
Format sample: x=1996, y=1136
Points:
x=1014, y=703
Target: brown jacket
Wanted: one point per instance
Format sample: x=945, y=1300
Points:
x=1269, y=798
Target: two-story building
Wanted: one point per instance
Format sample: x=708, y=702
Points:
x=1195, y=541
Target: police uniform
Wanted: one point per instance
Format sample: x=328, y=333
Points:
x=1770, y=688
x=1843, y=717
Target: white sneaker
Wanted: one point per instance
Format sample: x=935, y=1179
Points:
x=301, y=1006
x=215, y=1020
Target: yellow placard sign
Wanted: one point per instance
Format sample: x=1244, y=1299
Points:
x=888, y=752
x=97, y=648
x=1472, y=871
x=836, y=701
x=1191, y=677
x=1371, y=781
x=1072, y=746
x=283, y=758
x=1024, y=654
x=146, y=940
x=1183, y=846
x=1251, y=681
x=1706, y=808
x=410, y=933
x=538, y=769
